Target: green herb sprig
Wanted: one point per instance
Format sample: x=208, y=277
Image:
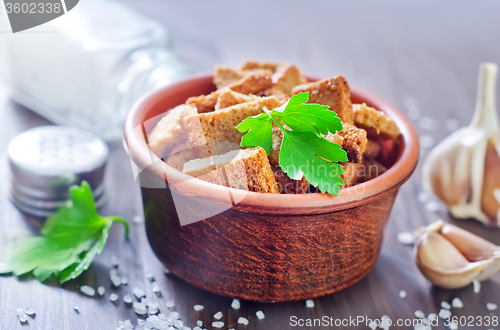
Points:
x=69, y=241
x=304, y=151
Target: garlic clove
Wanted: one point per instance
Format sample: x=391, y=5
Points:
x=472, y=247
x=443, y=264
x=463, y=170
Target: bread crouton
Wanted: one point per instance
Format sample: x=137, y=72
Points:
x=284, y=79
x=372, y=149
x=204, y=103
x=253, y=83
x=256, y=65
x=170, y=130
x=374, y=121
x=287, y=185
x=221, y=125
x=225, y=75
x=246, y=169
x=228, y=97
x=333, y=92
x=372, y=169
x=352, y=139
x=352, y=173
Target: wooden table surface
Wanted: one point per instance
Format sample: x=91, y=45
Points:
x=422, y=57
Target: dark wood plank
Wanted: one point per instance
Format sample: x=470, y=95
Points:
x=420, y=51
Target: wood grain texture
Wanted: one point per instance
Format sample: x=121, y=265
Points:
x=417, y=55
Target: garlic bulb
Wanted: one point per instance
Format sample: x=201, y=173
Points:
x=464, y=169
x=452, y=258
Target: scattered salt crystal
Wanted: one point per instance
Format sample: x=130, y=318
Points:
x=457, y=303
x=402, y=294
x=174, y=315
x=452, y=124
x=432, y=316
x=199, y=323
x=101, y=290
x=137, y=219
x=138, y=293
x=386, y=322
x=115, y=279
x=432, y=206
x=310, y=303
x=113, y=297
x=422, y=197
x=170, y=304
x=166, y=270
x=217, y=324
x=426, y=141
x=453, y=325
x=419, y=314
x=23, y=317
x=260, y=315
x=218, y=315
x=19, y=311
x=153, y=308
x=141, y=311
x=125, y=325
x=153, y=322
x=30, y=311
x=444, y=313
x=157, y=290
x=89, y=291
x=150, y=277
x=198, y=307
x=124, y=280
x=197, y=328
x=243, y=321
x=127, y=299
x=421, y=327
x=178, y=324
x=425, y=321
x=476, y=285
x=491, y=306
x=445, y=305
x=427, y=124
x=235, y=304
x=406, y=238
x=373, y=325
x=114, y=261
x=76, y=308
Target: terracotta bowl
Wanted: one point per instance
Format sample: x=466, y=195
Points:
x=256, y=246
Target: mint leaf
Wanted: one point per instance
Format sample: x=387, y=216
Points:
x=70, y=240
x=304, y=152
x=260, y=132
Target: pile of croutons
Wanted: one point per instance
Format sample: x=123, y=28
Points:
x=200, y=137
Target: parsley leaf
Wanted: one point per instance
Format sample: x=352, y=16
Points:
x=70, y=240
x=304, y=151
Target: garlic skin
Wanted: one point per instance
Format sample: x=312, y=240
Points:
x=464, y=169
x=452, y=258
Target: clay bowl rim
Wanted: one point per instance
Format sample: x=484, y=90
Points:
x=314, y=203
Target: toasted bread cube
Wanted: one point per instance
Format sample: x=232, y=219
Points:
x=375, y=121
x=204, y=103
x=284, y=79
x=221, y=125
x=256, y=65
x=287, y=185
x=170, y=130
x=372, y=169
x=352, y=139
x=228, y=97
x=352, y=173
x=253, y=83
x=333, y=92
x=274, y=154
x=372, y=149
x=225, y=76
x=246, y=169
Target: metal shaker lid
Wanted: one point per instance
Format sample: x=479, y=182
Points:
x=46, y=161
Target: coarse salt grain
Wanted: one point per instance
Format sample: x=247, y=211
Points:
x=76, y=308
x=426, y=141
x=402, y=294
x=260, y=315
x=101, y=290
x=199, y=323
x=114, y=261
x=235, y=304
x=491, y=306
x=243, y=320
x=138, y=293
x=444, y=313
x=198, y=307
x=30, y=311
x=457, y=303
x=157, y=290
x=476, y=285
x=419, y=314
x=406, y=238
x=432, y=316
x=124, y=280
x=113, y=297
x=432, y=206
x=310, y=303
x=150, y=277
x=23, y=318
x=217, y=324
x=127, y=299
x=453, y=325
x=218, y=315
x=170, y=304
x=445, y=305
x=166, y=270
x=89, y=291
